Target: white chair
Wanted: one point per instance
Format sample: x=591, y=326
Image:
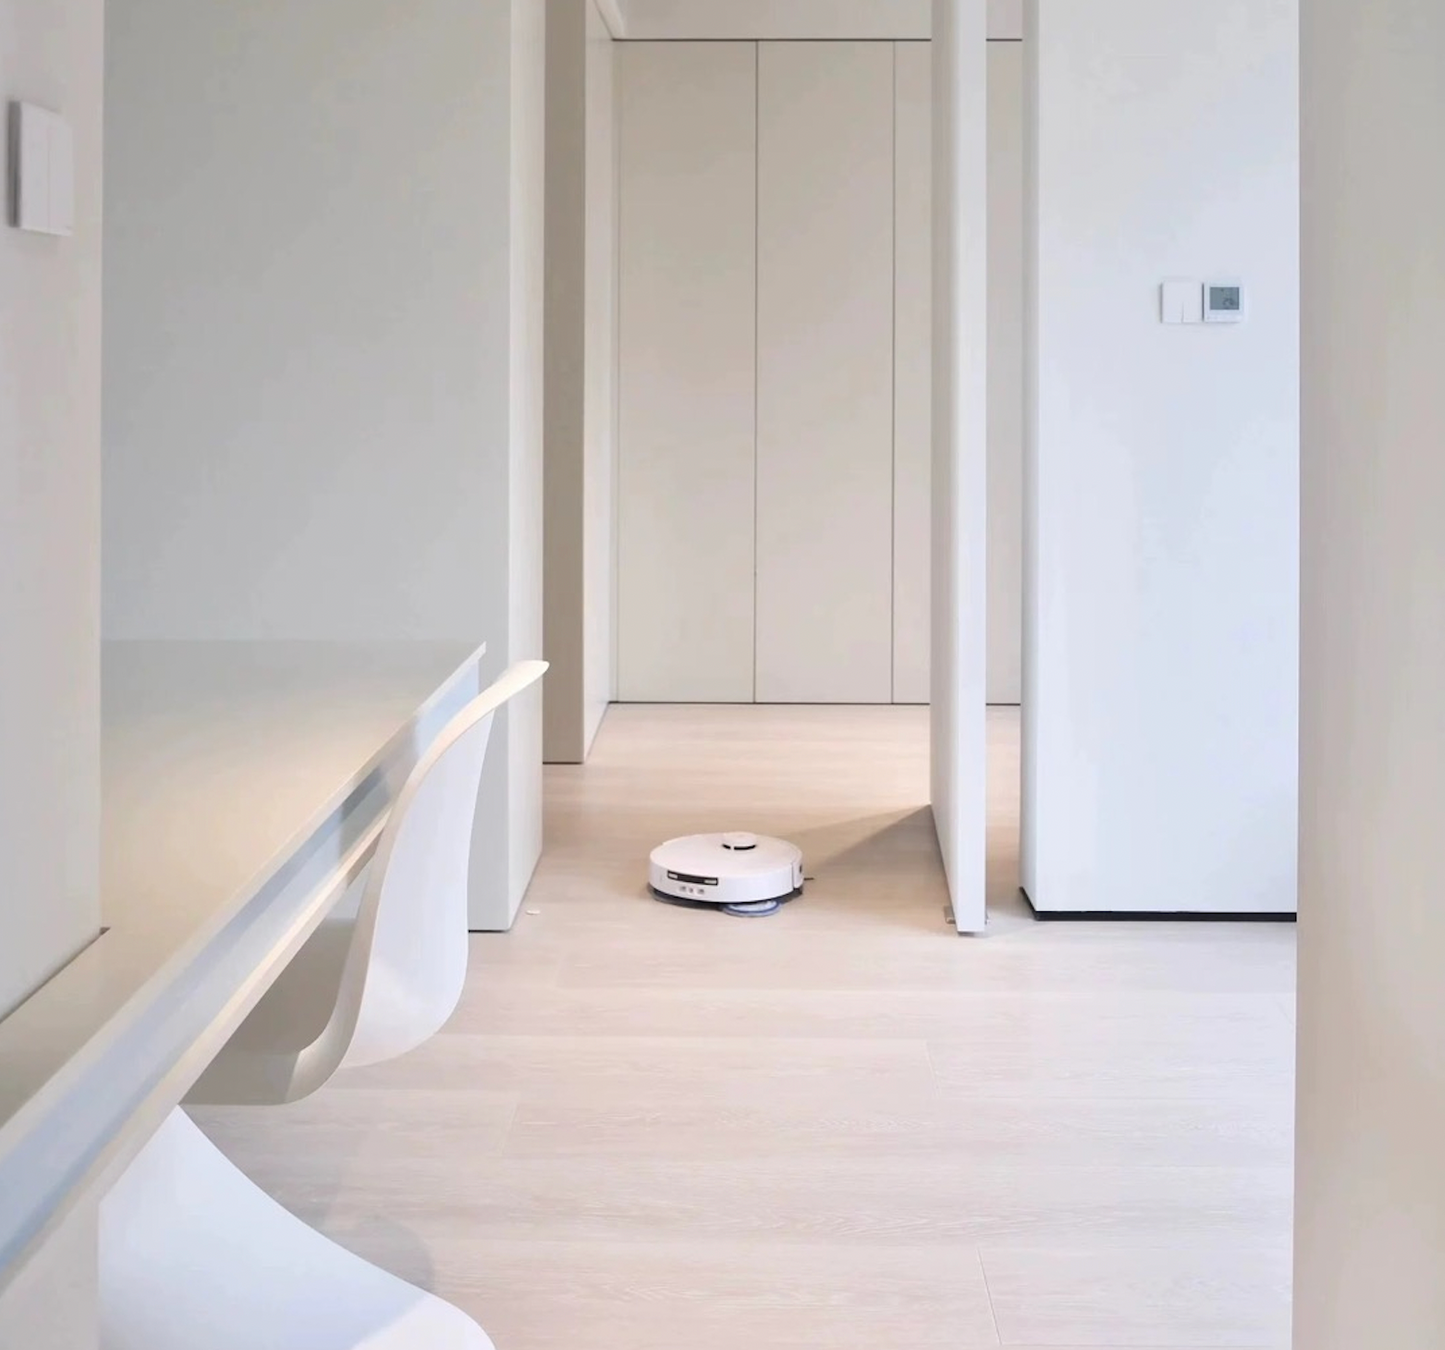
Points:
x=193, y=1255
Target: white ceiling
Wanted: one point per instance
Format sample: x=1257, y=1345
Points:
x=747, y=19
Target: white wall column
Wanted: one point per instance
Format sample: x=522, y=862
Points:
x=51, y=54
x=960, y=449
x=323, y=324
x=1370, y=1234
x=1162, y=460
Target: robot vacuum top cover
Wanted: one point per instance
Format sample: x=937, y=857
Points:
x=740, y=873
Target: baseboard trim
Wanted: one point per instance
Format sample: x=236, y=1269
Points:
x=1149, y=916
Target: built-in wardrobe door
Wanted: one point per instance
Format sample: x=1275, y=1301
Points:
x=825, y=373
x=913, y=366
x=688, y=283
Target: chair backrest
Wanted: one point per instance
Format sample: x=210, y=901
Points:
x=407, y=962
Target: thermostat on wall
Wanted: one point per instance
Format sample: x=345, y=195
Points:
x=1224, y=302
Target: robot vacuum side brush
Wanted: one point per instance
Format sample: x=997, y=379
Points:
x=748, y=875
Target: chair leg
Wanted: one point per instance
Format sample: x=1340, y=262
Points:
x=194, y=1256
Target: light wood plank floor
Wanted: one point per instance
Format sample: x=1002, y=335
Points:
x=649, y=1128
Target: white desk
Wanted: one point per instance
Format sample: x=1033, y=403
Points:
x=238, y=778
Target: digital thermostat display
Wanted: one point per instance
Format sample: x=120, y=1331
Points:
x=1224, y=302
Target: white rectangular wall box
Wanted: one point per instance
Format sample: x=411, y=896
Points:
x=42, y=170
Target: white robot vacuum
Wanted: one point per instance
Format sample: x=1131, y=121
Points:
x=743, y=874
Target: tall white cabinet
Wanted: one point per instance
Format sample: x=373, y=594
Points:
x=775, y=366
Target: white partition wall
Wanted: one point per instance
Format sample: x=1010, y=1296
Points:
x=913, y=371
x=1370, y=1187
x=1161, y=689
x=825, y=372
x=960, y=451
x=687, y=389
x=323, y=370
x=51, y=51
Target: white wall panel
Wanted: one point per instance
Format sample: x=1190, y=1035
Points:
x=1161, y=708
x=687, y=122
x=960, y=444
x=913, y=366
x=825, y=373
x=1370, y=1191
x=325, y=423
x=519, y=728
x=600, y=322
x=50, y=482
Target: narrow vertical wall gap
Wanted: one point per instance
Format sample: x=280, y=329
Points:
x=619, y=78
x=893, y=477
x=757, y=328
x=618, y=75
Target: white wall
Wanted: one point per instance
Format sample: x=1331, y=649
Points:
x=1160, y=694
x=599, y=684
x=960, y=450
x=50, y=53
x=322, y=414
x=1370, y=1218
x=520, y=814
x=581, y=287
x=877, y=19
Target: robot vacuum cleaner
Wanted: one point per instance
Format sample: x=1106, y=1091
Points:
x=744, y=874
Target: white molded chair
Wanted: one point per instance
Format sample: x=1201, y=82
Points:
x=193, y=1255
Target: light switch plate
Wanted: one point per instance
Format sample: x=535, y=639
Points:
x=1181, y=302
x=42, y=170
